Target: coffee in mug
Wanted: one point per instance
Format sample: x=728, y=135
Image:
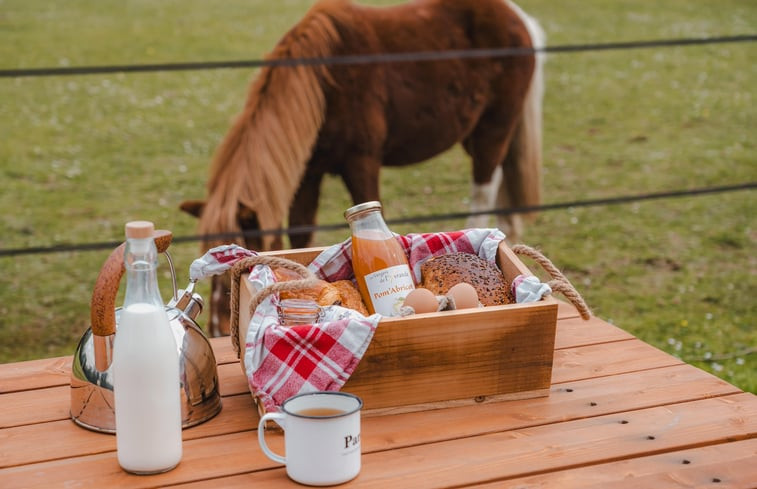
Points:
x=321, y=437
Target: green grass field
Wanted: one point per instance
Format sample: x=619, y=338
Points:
x=81, y=155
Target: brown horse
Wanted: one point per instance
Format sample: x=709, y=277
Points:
x=302, y=122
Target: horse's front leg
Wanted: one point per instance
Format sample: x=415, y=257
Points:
x=361, y=178
x=303, y=210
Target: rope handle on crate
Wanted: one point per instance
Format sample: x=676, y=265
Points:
x=241, y=267
x=558, y=283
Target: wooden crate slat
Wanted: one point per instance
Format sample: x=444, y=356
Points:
x=438, y=357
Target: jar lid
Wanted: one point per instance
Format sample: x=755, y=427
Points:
x=139, y=229
x=365, y=206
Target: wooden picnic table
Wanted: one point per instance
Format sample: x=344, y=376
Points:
x=621, y=413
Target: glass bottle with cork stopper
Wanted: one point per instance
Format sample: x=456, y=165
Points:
x=146, y=371
x=380, y=265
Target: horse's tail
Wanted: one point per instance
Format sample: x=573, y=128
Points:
x=262, y=159
x=521, y=185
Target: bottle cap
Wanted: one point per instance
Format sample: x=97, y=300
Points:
x=360, y=208
x=139, y=229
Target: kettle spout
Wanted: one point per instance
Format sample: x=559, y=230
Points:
x=188, y=301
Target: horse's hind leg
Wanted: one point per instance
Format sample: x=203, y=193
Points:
x=487, y=146
x=483, y=197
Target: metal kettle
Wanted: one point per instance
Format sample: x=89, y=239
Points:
x=92, y=402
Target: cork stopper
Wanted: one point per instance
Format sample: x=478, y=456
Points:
x=139, y=229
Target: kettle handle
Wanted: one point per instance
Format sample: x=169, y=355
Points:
x=103, y=305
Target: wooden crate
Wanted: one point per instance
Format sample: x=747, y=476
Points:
x=453, y=357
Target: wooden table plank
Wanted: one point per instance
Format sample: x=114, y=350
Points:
x=727, y=465
x=53, y=403
x=223, y=350
x=225, y=454
x=573, y=400
x=35, y=406
x=33, y=443
x=382, y=433
x=591, y=361
x=477, y=460
x=572, y=444
x=568, y=401
x=34, y=374
x=610, y=394
x=578, y=332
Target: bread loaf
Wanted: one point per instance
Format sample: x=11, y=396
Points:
x=441, y=272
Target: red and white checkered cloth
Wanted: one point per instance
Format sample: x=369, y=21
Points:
x=282, y=361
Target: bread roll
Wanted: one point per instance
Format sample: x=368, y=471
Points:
x=341, y=292
x=324, y=294
x=441, y=272
x=350, y=296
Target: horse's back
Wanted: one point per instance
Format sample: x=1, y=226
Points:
x=411, y=111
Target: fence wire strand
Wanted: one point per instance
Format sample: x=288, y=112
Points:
x=406, y=57
x=397, y=221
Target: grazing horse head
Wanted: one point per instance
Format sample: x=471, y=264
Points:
x=246, y=221
x=301, y=122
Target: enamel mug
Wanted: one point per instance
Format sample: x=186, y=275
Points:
x=321, y=437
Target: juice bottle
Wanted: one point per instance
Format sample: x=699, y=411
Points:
x=378, y=260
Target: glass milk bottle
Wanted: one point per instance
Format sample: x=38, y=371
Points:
x=378, y=260
x=146, y=381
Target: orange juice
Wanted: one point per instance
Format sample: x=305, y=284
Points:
x=378, y=261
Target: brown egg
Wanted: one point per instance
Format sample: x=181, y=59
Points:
x=421, y=300
x=464, y=295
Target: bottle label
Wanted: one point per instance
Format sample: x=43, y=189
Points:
x=388, y=288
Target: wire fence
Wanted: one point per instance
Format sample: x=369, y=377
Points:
x=104, y=245
x=405, y=57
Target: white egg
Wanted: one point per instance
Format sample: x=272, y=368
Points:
x=421, y=300
x=463, y=295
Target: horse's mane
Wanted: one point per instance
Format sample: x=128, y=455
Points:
x=262, y=158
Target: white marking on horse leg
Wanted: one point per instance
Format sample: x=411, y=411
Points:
x=512, y=226
x=483, y=198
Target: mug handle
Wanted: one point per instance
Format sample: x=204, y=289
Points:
x=279, y=419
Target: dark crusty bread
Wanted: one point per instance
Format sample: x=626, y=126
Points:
x=441, y=272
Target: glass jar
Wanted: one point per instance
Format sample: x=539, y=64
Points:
x=293, y=312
